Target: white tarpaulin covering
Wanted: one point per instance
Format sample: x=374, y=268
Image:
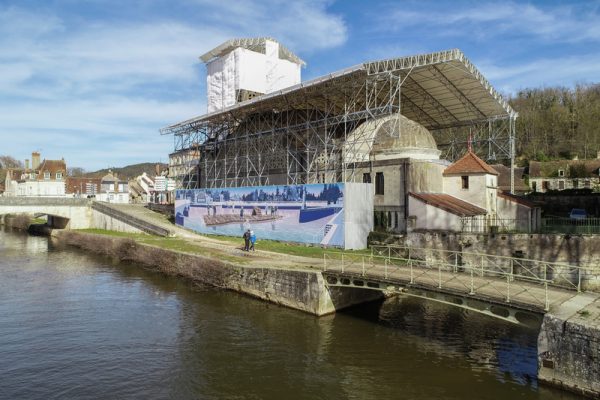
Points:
x=243, y=69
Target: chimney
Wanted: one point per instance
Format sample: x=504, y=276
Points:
x=26, y=164
x=35, y=160
x=157, y=167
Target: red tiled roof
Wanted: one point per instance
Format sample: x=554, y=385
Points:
x=52, y=166
x=469, y=164
x=516, y=199
x=449, y=203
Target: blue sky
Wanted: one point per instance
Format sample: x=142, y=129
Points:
x=93, y=81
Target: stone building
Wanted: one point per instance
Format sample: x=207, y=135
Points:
x=42, y=179
x=564, y=174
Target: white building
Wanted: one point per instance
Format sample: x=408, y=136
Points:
x=241, y=69
x=471, y=202
x=113, y=190
x=45, y=179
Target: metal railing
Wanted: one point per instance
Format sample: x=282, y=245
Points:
x=571, y=225
x=547, y=225
x=496, y=225
x=463, y=272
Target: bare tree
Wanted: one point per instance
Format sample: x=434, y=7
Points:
x=75, y=171
x=10, y=162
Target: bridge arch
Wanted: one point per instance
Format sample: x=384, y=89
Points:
x=505, y=312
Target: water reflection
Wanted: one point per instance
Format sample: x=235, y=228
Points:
x=73, y=325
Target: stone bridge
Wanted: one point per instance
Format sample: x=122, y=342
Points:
x=62, y=212
x=564, y=298
x=78, y=213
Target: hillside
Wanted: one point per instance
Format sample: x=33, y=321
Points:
x=130, y=171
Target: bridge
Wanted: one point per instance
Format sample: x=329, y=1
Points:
x=513, y=289
x=565, y=297
x=79, y=213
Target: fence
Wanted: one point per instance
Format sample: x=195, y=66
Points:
x=571, y=225
x=470, y=273
x=548, y=225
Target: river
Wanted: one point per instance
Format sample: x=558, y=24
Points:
x=78, y=326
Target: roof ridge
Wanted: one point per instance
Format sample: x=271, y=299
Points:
x=464, y=165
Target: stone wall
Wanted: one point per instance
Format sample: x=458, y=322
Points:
x=569, y=351
x=578, y=250
x=303, y=290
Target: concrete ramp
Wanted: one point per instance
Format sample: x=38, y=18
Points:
x=128, y=215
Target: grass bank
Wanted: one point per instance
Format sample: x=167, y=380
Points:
x=190, y=246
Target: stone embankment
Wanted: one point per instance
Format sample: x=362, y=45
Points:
x=569, y=346
x=300, y=289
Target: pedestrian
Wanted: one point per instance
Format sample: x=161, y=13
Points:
x=246, y=240
x=252, y=240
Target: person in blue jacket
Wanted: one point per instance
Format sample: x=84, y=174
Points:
x=252, y=239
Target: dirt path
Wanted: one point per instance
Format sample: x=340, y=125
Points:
x=257, y=258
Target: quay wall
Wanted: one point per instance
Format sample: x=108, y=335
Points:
x=303, y=290
x=569, y=351
x=579, y=250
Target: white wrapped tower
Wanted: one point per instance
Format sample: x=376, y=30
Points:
x=241, y=69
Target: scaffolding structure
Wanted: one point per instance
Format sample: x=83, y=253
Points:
x=308, y=133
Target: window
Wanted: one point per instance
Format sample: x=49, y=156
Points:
x=561, y=172
x=561, y=185
x=47, y=175
x=59, y=175
x=544, y=185
x=534, y=186
x=379, y=183
x=587, y=184
x=575, y=184
x=465, y=182
x=366, y=177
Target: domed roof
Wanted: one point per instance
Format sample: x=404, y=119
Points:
x=398, y=137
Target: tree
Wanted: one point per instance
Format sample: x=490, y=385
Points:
x=10, y=162
x=75, y=171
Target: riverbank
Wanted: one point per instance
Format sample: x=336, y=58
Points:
x=568, y=350
x=292, y=283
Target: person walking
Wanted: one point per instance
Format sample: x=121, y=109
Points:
x=246, y=240
x=252, y=240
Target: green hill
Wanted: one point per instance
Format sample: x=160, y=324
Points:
x=130, y=171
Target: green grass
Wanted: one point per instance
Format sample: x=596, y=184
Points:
x=169, y=243
x=179, y=244
x=294, y=249
x=584, y=313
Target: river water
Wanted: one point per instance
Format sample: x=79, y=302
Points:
x=78, y=326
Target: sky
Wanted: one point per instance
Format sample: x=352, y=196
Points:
x=93, y=81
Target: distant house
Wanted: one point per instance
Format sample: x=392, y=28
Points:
x=564, y=174
x=113, y=189
x=521, y=186
x=141, y=188
x=43, y=179
x=82, y=186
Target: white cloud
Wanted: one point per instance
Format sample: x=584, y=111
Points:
x=71, y=81
x=541, y=72
x=495, y=19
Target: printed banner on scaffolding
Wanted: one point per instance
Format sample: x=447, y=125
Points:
x=311, y=213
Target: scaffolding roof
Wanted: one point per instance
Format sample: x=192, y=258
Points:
x=254, y=44
x=439, y=90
